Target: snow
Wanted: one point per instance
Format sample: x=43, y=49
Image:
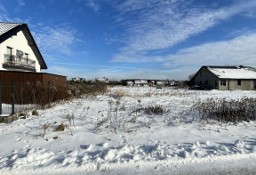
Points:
x=110, y=136
x=234, y=73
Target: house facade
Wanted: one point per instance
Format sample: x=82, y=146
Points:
x=18, y=50
x=225, y=77
x=21, y=61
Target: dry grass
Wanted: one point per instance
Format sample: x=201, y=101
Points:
x=223, y=110
x=39, y=94
x=118, y=94
x=81, y=89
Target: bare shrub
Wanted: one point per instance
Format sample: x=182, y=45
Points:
x=71, y=120
x=45, y=127
x=138, y=116
x=100, y=122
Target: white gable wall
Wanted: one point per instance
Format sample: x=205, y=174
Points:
x=17, y=42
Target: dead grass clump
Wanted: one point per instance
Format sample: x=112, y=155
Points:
x=118, y=94
x=154, y=110
x=34, y=112
x=60, y=127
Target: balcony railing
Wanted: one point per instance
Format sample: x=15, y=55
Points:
x=20, y=63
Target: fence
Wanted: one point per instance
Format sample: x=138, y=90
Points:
x=21, y=96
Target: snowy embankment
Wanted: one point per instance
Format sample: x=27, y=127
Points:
x=111, y=134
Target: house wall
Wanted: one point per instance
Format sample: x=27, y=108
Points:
x=204, y=76
x=160, y=83
x=233, y=85
x=54, y=79
x=17, y=42
x=245, y=85
x=130, y=83
x=223, y=87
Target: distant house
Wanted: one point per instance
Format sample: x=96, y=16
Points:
x=146, y=82
x=225, y=77
x=77, y=80
x=140, y=82
x=173, y=83
x=160, y=82
x=102, y=79
x=129, y=83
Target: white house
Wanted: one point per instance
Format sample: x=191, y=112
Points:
x=140, y=82
x=102, y=79
x=130, y=83
x=160, y=82
x=18, y=50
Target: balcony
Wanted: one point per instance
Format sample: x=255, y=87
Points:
x=13, y=62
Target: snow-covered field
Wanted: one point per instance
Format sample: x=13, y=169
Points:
x=110, y=134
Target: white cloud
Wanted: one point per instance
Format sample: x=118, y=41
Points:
x=158, y=25
x=236, y=51
x=57, y=39
x=3, y=14
x=239, y=50
x=21, y=3
x=93, y=5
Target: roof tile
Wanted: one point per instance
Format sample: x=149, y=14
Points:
x=5, y=27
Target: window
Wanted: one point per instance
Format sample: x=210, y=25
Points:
x=9, y=50
x=239, y=82
x=223, y=82
x=216, y=83
x=206, y=82
x=201, y=74
x=9, y=56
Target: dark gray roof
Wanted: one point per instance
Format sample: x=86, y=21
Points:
x=9, y=29
x=223, y=67
x=5, y=27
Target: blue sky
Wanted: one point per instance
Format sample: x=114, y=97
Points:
x=119, y=39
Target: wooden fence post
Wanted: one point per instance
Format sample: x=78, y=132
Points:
x=48, y=91
x=1, y=96
x=12, y=94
